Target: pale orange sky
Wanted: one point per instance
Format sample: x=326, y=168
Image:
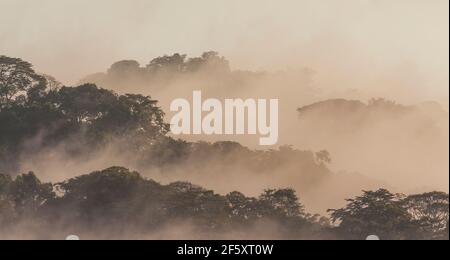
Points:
x=361, y=40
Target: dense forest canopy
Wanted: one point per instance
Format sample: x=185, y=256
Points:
x=38, y=113
x=366, y=133
x=87, y=118
x=118, y=203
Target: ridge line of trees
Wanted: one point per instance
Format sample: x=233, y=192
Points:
x=87, y=117
x=119, y=199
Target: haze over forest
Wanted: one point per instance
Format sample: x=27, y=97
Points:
x=381, y=47
x=363, y=104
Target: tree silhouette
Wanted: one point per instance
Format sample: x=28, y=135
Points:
x=17, y=77
x=374, y=213
x=117, y=199
x=431, y=212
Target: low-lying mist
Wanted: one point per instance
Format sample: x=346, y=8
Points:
x=327, y=151
x=404, y=146
x=117, y=203
x=363, y=105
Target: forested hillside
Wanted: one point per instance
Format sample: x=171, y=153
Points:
x=119, y=204
x=42, y=121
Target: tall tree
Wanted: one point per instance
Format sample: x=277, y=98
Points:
x=431, y=212
x=378, y=213
x=17, y=77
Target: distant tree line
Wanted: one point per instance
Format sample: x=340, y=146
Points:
x=37, y=109
x=31, y=105
x=160, y=71
x=116, y=199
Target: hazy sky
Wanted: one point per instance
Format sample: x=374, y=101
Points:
x=369, y=39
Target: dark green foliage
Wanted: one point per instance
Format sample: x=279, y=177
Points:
x=17, y=79
x=103, y=112
x=243, y=209
x=22, y=197
x=393, y=217
x=84, y=119
x=39, y=110
x=430, y=211
x=116, y=199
